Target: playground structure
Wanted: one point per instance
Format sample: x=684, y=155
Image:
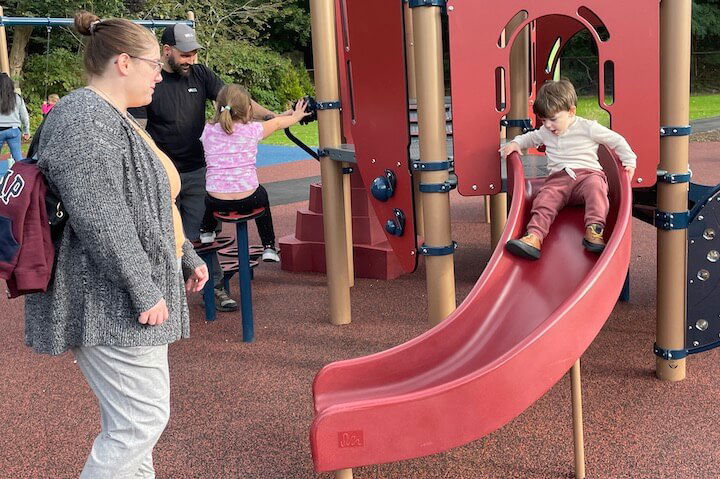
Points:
x=340, y=399
x=436, y=391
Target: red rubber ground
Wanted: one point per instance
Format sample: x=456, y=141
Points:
x=244, y=410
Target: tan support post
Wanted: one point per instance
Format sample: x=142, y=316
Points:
x=440, y=276
x=412, y=94
x=344, y=474
x=519, y=88
x=322, y=13
x=4, y=59
x=675, y=18
x=578, y=440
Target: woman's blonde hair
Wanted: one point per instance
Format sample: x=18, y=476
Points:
x=108, y=38
x=233, y=105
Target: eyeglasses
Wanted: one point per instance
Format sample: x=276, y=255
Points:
x=157, y=65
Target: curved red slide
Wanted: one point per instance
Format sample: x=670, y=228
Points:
x=516, y=334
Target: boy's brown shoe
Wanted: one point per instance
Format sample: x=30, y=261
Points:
x=593, y=240
x=527, y=247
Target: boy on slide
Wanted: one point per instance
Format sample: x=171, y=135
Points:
x=576, y=176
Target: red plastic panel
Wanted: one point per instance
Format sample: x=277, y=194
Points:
x=375, y=56
x=496, y=354
x=633, y=47
x=343, y=44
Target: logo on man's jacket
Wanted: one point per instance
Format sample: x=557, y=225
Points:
x=192, y=90
x=10, y=189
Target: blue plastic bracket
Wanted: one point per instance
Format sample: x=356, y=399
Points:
x=675, y=130
x=672, y=220
x=437, y=187
x=426, y=250
x=669, y=354
x=672, y=178
x=426, y=3
x=525, y=124
x=433, y=166
x=328, y=105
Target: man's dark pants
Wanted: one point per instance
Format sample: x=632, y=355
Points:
x=191, y=204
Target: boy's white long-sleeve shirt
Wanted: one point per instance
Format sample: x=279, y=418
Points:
x=577, y=147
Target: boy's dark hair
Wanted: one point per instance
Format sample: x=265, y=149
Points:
x=553, y=97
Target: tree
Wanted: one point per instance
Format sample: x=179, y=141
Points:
x=21, y=35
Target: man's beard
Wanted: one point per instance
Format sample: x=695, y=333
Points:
x=175, y=67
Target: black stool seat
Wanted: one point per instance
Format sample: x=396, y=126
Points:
x=235, y=217
x=219, y=243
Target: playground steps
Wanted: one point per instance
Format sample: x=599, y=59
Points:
x=305, y=250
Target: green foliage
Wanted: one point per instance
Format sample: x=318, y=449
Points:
x=706, y=19
x=289, y=27
x=271, y=79
x=61, y=74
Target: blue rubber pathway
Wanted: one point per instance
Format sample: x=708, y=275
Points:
x=276, y=154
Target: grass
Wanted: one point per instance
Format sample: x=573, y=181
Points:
x=308, y=134
x=701, y=106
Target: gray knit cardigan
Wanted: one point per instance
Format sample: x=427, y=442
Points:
x=116, y=256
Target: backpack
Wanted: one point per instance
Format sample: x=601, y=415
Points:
x=32, y=218
x=57, y=216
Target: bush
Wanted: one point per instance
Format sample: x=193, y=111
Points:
x=271, y=79
x=62, y=73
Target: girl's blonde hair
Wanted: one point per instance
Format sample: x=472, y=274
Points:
x=233, y=105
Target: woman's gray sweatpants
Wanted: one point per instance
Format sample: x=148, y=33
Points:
x=132, y=385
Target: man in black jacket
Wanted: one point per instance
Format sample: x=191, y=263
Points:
x=175, y=120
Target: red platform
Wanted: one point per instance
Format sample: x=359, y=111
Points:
x=632, y=48
x=305, y=250
x=495, y=355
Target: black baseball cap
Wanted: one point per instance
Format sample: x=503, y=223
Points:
x=180, y=36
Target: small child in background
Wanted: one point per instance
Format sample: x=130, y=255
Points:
x=576, y=176
x=47, y=105
x=230, y=141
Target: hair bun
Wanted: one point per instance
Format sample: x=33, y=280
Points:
x=84, y=22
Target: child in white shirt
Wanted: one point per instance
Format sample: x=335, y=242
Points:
x=576, y=177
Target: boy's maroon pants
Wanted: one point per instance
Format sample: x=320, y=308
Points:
x=589, y=188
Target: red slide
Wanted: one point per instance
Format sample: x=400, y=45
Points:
x=517, y=333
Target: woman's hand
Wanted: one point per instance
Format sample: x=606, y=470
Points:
x=630, y=171
x=156, y=315
x=197, y=280
x=509, y=148
x=26, y=136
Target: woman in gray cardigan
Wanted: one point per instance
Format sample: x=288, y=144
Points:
x=116, y=299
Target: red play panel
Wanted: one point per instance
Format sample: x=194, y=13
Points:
x=495, y=355
x=375, y=105
x=633, y=47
